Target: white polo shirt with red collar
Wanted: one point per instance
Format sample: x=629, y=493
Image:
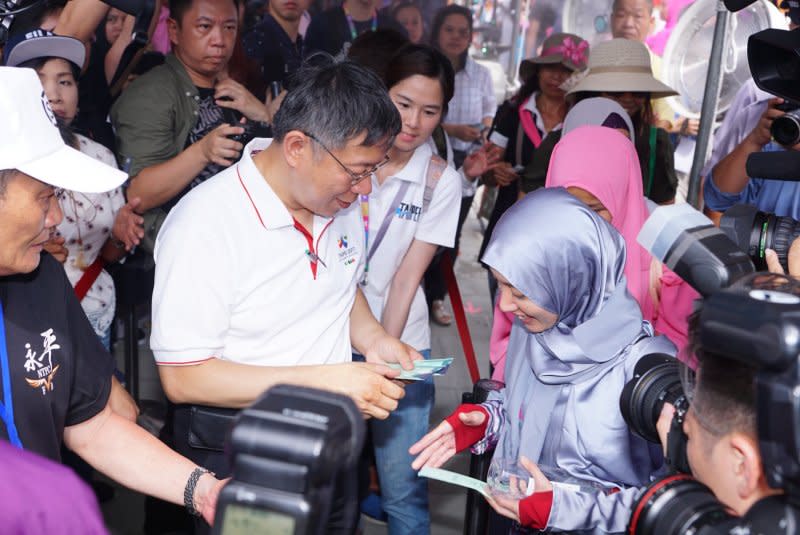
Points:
x=237, y=278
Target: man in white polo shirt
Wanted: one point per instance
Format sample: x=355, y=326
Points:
x=257, y=268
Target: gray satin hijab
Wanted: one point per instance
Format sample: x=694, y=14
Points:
x=596, y=111
x=563, y=385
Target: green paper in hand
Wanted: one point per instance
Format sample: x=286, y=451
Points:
x=456, y=479
x=423, y=369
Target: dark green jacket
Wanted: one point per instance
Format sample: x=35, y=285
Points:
x=154, y=115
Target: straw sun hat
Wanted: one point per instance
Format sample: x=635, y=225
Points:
x=621, y=65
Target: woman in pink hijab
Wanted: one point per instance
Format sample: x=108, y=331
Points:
x=607, y=177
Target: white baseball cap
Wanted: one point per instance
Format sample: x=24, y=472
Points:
x=31, y=143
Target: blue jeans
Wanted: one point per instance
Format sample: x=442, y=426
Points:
x=404, y=496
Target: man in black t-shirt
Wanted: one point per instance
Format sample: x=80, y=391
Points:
x=275, y=42
x=333, y=30
x=56, y=376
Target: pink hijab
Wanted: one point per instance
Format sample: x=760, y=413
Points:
x=604, y=162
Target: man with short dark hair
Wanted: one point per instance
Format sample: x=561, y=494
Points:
x=179, y=124
x=723, y=447
x=275, y=42
x=257, y=268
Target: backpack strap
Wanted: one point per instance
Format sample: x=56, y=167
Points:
x=436, y=168
x=651, y=163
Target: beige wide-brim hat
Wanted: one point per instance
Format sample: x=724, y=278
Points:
x=621, y=65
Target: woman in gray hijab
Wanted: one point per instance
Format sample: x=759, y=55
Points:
x=576, y=339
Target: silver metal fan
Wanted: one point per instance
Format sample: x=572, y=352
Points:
x=590, y=19
x=685, y=64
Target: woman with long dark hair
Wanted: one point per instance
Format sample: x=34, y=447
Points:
x=467, y=122
x=411, y=211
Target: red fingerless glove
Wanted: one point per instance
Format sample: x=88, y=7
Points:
x=467, y=435
x=534, y=511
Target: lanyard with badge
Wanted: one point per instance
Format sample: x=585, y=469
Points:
x=352, y=25
x=7, y=405
x=387, y=220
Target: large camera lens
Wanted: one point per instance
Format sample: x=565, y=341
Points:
x=656, y=380
x=786, y=129
x=677, y=505
x=755, y=232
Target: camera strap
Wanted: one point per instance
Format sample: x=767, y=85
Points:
x=7, y=406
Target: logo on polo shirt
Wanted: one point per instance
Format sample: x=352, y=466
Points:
x=408, y=211
x=347, y=254
x=40, y=365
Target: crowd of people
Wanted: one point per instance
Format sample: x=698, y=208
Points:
x=296, y=178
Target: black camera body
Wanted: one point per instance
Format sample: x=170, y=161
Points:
x=750, y=317
x=286, y=451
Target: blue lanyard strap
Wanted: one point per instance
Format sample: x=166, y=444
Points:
x=7, y=407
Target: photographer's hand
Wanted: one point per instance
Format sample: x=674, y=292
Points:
x=231, y=94
x=793, y=257
x=128, y=225
x=761, y=134
x=730, y=174
x=274, y=104
x=218, y=148
x=663, y=424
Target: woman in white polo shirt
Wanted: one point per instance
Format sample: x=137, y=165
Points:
x=403, y=231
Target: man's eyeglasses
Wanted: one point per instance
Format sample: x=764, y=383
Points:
x=355, y=178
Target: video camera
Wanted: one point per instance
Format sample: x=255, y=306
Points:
x=746, y=316
x=750, y=317
x=287, y=451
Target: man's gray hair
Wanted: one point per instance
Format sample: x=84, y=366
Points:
x=336, y=101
